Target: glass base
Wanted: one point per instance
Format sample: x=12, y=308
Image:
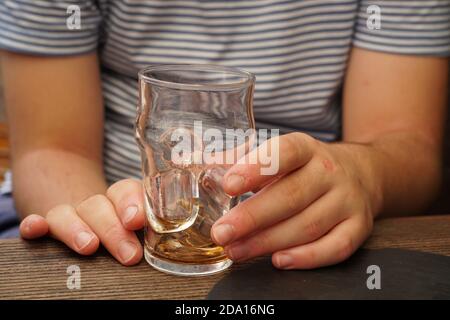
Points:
x=184, y=269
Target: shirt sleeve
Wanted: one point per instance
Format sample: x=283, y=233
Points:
x=406, y=27
x=49, y=27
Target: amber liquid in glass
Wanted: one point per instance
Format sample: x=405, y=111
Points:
x=193, y=245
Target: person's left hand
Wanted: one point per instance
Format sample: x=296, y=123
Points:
x=316, y=211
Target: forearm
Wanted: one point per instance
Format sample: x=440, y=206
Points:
x=401, y=170
x=44, y=178
x=55, y=121
x=394, y=108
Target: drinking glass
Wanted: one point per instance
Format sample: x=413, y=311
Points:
x=193, y=122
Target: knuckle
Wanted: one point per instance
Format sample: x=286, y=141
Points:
x=297, y=136
x=310, y=258
x=291, y=192
x=261, y=243
x=304, y=138
x=97, y=201
x=293, y=138
x=297, y=147
x=292, y=142
x=112, y=231
x=346, y=247
x=351, y=194
x=313, y=229
x=115, y=189
x=59, y=210
x=251, y=220
x=316, y=166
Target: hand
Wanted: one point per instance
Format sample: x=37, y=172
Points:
x=109, y=219
x=316, y=211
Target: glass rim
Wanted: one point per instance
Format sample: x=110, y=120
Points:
x=249, y=77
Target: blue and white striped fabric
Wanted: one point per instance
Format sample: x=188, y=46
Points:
x=298, y=50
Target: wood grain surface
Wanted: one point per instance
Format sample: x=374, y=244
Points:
x=37, y=269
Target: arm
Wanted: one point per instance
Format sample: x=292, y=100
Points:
x=55, y=115
x=395, y=108
x=55, y=119
x=329, y=194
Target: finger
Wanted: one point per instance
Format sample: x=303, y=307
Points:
x=128, y=199
x=334, y=247
x=274, y=157
x=265, y=184
x=277, y=202
x=99, y=213
x=66, y=226
x=34, y=226
x=307, y=226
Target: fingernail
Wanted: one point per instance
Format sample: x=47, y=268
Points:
x=83, y=239
x=284, y=261
x=237, y=252
x=127, y=250
x=29, y=224
x=235, y=182
x=130, y=213
x=223, y=233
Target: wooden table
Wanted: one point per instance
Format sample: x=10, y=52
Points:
x=37, y=269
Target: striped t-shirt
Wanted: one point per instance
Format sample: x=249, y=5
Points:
x=298, y=50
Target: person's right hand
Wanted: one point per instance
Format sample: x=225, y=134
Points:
x=110, y=219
